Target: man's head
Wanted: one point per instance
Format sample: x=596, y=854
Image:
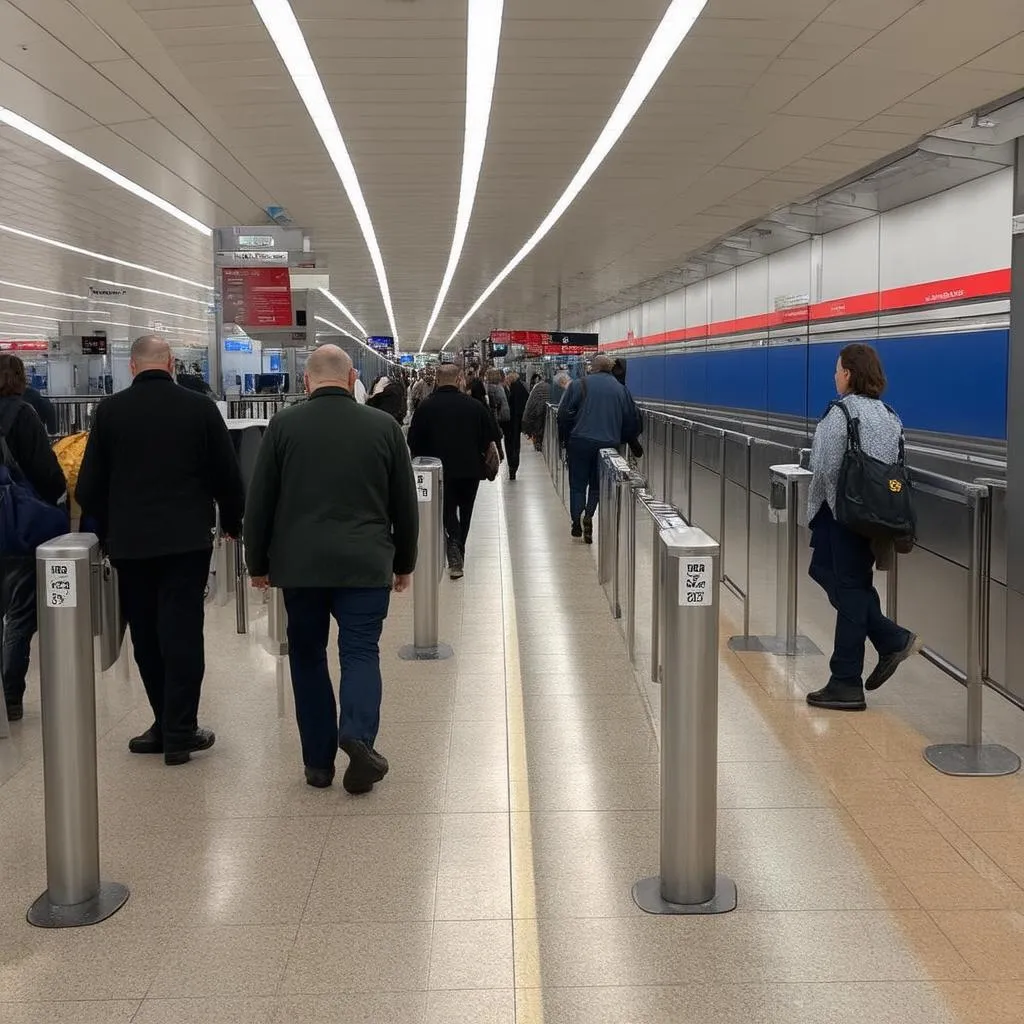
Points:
x=601, y=364
x=151, y=352
x=329, y=367
x=448, y=375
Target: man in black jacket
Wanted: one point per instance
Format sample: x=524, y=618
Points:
x=518, y=396
x=28, y=444
x=158, y=459
x=333, y=521
x=458, y=430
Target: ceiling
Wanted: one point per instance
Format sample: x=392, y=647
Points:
x=190, y=99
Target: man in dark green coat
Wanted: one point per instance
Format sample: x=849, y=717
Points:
x=332, y=519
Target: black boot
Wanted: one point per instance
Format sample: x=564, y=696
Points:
x=588, y=529
x=838, y=697
x=201, y=739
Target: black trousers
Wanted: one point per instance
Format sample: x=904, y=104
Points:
x=459, y=499
x=513, y=444
x=162, y=604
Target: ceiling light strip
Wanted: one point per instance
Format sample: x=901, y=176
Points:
x=280, y=22
x=667, y=38
x=483, y=36
x=47, y=305
x=44, y=291
x=25, y=126
x=147, y=309
x=139, y=288
x=101, y=256
x=348, y=334
x=334, y=300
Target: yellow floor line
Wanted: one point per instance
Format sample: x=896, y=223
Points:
x=529, y=1000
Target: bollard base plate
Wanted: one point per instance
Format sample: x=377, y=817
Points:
x=410, y=652
x=110, y=899
x=964, y=759
x=647, y=896
x=772, y=645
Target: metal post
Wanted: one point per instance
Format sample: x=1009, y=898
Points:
x=631, y=576
x=426, y=583
x=656, y=605
x=670, y=474
x=241, y=592
x=277, y=623
x=689, y=472
x=722, y=452
x=747, y=584
x=688, y=883
x=975, y=757
x=784, y=510
x=67, y=592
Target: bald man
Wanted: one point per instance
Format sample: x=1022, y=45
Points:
x=158, y=463
x=332, y=519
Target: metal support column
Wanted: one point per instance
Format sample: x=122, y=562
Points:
x=688, y=883
x=427, y=581
x=241, y=590
x=67, y=593
x=975, y=757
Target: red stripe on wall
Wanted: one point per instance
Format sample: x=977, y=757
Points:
x=991, y=284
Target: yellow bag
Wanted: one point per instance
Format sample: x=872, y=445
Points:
x=70, y=451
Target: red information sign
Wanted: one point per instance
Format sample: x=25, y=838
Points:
x=24, y=346
x=257, y=296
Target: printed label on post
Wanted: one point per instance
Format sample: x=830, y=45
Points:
x=424, y=486
x=61, y=586
x=695, y=589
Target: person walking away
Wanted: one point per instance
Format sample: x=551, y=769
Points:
x=422, y=389
x=332, y=519
x=44, y=408
x=518, y=397
x=535, y=415
x=595, y=412
x=458, y=430
x=387, y=396
x=359, y=391
x=496, y=398
x=29, y=449
x=841, y=560
x=158, y=463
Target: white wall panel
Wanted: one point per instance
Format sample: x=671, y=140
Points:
x=850, y=260
x=697, y=304
x=752, y=288
x=965, y=230
x=789, y=273
x=675, y=310
x=654, y=317
x=722, y=296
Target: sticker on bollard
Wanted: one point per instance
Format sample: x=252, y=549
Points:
x=61, y=588
x=695, y=582
x=424, y=486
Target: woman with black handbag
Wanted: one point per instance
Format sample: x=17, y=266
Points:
x=858, y=449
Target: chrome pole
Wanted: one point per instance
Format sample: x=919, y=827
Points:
x=241, y=592
x=631, y=576
x=67, y=594
x=747, y=584
x=656, y=605
x=688, y=882
x=722, y=453
x=689, y=472
x=792, y=576
x=277, y=622
x=670, y=474
x=426, y=583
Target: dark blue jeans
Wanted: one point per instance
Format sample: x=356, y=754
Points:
x=584, y=476
x=17, y=623
x=842, y=564
x=360, y=614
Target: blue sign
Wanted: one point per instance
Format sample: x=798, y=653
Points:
x=275, y=362
x=237, y=345
x=381, y=344
x=407, y=360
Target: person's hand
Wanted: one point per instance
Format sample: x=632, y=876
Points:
x=261, y=582
x=402, y=583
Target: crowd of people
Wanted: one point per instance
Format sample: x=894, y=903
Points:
x=339, y=535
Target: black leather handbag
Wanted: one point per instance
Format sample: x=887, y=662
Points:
x=873, y=498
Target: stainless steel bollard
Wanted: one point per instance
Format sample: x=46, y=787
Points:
x=688, y=883
x=277, y=623
x=67, y=591
x=241, y=590
x=426, y=645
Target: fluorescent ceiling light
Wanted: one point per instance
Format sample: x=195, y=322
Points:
x=27, y=316
x=279, y=19
x=44, y=291
x=332, y=298
x=47, y=305
x=482, y=38
x=340, y=330
x=101, y=256
x=667, y=38
x=41, y=135
x=151, y=291
x=148, y=309
x=27, y=328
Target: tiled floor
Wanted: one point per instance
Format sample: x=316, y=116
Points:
x=487, y=880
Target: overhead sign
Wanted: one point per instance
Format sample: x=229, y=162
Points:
x=382, y=344
x=237, y=345
x=253, y=256
x=256, y=241
x=257, y=296
x=24, y=346
x=547, y=343
x=94, y=345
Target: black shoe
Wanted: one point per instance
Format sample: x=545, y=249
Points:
x=838, y=698
x=15, y=712
x=888, y=663
x=319, y=778
x=577, y=530
x=588, y=529
x=365, y=767
x=150, y=742
x=456, y=561
x=511, y=476
x=201, y=739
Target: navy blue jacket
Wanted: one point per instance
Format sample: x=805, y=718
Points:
x=598, y=408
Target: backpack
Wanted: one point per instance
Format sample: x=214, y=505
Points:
x=874, y=499
x=26, y=521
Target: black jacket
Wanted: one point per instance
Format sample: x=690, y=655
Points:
x=456, y=429
x=518, y=396
x=43, y=407
x=157, y=460
x=30, y=447
x=333, y=498
x=391, y=400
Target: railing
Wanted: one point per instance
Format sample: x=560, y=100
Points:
x=74, y=414
x=258, y=407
